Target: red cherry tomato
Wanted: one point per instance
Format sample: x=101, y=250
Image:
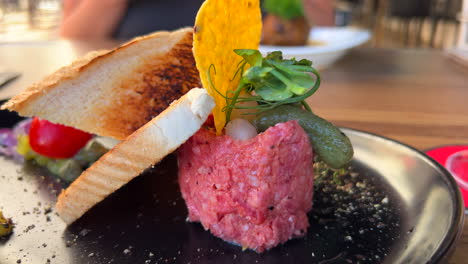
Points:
x=56, y=141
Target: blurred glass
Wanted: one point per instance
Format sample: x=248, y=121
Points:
x=29, y=20
x=343, y=13
x=13, y=16
x=44, y=14
x=457, y=165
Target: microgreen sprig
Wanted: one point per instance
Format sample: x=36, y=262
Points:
x=272, y=81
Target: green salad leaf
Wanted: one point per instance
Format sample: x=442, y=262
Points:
x=286, y=9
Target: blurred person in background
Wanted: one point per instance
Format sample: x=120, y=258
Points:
x=124, y=19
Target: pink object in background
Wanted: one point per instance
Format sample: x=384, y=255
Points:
x=455, y=159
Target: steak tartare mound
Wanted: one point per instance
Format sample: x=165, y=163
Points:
x=255, y=193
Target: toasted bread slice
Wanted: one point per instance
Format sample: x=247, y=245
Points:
x=142, y=149
x=113, y=93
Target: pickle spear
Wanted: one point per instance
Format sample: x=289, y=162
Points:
x=331, y=145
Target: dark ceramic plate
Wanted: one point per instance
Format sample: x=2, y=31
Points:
x=398, y=206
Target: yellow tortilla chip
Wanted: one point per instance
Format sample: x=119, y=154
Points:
x=220, y=27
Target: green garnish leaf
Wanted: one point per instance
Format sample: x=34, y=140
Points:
x=256, y=74
x=274, y=55
x=302, y=84
x=271, y=80
x=265, y=73
x=304, y=62
x=286, y=9
x=253, y=57
x=273, y=90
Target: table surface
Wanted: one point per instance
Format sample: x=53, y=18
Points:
x=34, y=60
x=418, y=97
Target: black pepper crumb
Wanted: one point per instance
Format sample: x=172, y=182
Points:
x=128, y=250
x=29, y=228
x=353, y=207
x=47, y=210
x=84, y=232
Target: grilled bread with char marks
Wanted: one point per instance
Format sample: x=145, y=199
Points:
x=142, y=149
x=113, y=93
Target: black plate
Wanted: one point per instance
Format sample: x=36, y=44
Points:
x=398, y=207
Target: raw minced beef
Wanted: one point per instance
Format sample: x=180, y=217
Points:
x=254, y=193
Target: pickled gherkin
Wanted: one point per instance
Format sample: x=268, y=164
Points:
x=67, y=169
x=331, y=145
x=90, y=153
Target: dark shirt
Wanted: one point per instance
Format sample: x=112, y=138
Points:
x=145, y=16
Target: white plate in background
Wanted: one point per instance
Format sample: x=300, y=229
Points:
x=327, y=45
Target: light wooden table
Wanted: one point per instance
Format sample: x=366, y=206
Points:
x=419, y=97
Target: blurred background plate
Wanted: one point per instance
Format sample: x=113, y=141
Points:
x=326, y=45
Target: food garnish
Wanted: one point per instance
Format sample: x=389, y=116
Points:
x=6, y=226
x=67, y=169
x=285, y=23
x=329, y=143
x=38, y=141
x=9, y=139
x=274, y=81
x=286, y=9
x=55, y=140
x=221, y=27
x=279, y=87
